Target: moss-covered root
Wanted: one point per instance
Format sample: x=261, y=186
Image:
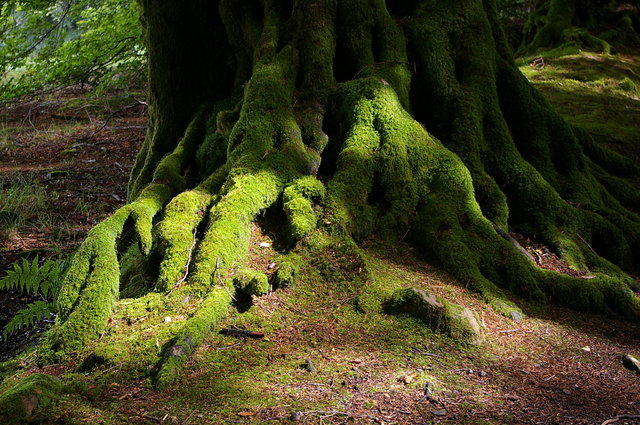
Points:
x=251, y=282
x=91, y=285
x=298, y=200
x=190, y=337
x=288, y=270
x=458, y=322
x=176, y=236
x=226, y=240
x=21, y=403
x=390, y=170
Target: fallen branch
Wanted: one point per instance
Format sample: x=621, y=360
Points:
x=586, y=243
x=241, y=332
x=618, y=418
x=514, y=242
x=186, y=267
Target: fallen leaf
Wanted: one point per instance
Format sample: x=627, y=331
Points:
x=407, y=379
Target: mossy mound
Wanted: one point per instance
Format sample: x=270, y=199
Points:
x=26, y=400
x=251, y=282
x=456, y=321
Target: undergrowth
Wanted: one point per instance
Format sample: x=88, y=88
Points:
x=36, y=279
x=24, y=202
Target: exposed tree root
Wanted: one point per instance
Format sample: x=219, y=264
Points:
x=367, y=164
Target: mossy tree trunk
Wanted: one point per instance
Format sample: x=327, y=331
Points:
x=406, y=119
x=591, y=24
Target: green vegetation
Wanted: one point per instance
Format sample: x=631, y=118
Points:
x=413, y=124
x=19, y=403
x=56, y=43
x=24, y=202
x=34, y=278
x=602, y=26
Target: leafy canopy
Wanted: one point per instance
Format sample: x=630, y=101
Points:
x=48, y=44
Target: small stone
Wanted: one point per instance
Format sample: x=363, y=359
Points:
x=631, y=362
x=587, y=349
x=566, y=391
x=265, y=244
x=516, y=316
x=296, y=416
x=513, y=397
x=167, y=319
x=270, y=266
x=175, y=351
x=308, y=364
x=482, y=373
x=442, y=412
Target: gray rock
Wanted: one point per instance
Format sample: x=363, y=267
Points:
x=516, y=316
x=308, y=364
x=441, y=315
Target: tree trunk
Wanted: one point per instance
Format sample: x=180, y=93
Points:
x=593, y=25
x=407, y=119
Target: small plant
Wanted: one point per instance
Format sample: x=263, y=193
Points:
x=23, y=200
x=33, y=278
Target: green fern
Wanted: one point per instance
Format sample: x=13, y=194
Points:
x=33, y=278
x=29, y=316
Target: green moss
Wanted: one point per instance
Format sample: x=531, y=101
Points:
x=288, y=270
x=170, y=170
x=389, y=160
x=106, y=355
x=251, y=282
x=380, y=289
x=212, y=153
x=22, y=402
x=441, y=315
x=136, y=274
x=297, y=204
x=178, y=350
x=628, y=85
x=176, y=236
x=227, y=237
x=599, y=294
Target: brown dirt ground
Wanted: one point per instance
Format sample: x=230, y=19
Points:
x=81, y=151
x=553, y=367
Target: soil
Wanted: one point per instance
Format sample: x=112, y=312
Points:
x=553, y=367
x=80, y=150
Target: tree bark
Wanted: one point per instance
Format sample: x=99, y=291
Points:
x=600, y=25
x=353, y=117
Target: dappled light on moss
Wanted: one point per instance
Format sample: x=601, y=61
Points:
x=418, y=129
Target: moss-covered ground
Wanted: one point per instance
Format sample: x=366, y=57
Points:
x=552, y=366
x=600, y=93
x=369, y=368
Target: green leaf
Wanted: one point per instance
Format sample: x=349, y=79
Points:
x=29, y=316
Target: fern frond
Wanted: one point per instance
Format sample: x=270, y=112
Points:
x=29, y=316
x=33, y=278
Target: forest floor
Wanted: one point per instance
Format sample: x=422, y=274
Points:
x=66, y=162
